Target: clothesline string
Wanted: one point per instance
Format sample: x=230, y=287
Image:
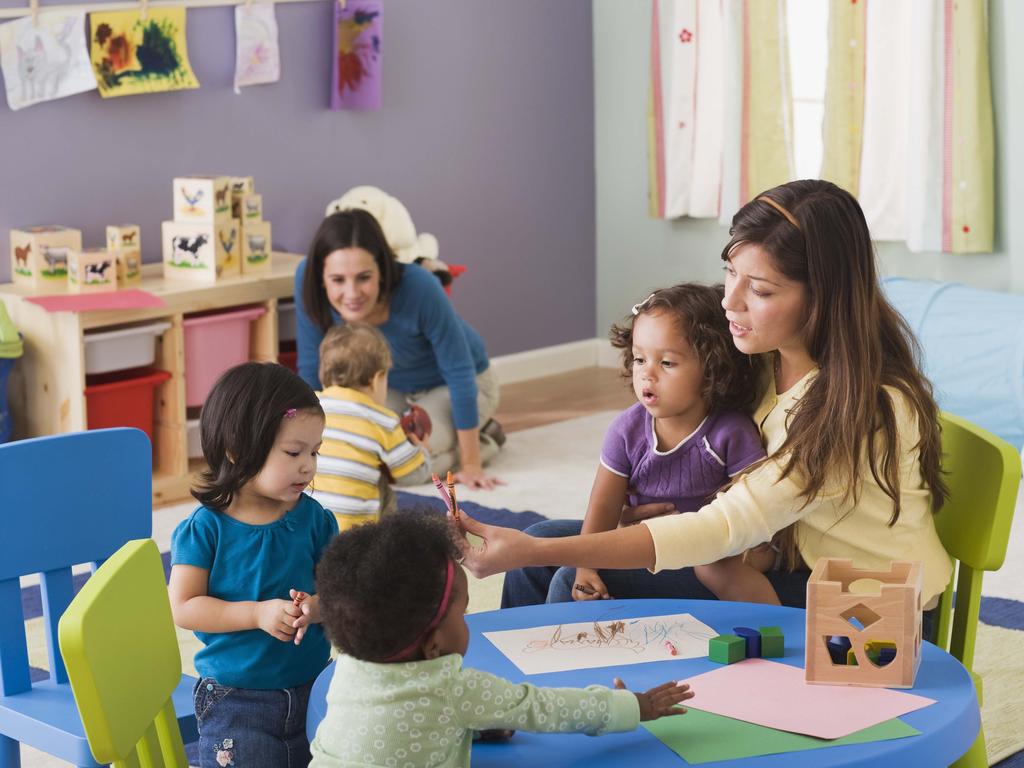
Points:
x=27, y=10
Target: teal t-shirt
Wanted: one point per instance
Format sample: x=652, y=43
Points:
x=257, y=562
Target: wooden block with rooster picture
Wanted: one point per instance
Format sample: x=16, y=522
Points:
x=204, y=199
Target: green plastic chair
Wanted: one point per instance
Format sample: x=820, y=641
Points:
x=983, y=473
x=122, y=657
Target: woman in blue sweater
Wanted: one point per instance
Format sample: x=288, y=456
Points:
x=439, y=361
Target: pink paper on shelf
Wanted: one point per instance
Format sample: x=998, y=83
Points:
x=91, y=302
x=776, y=695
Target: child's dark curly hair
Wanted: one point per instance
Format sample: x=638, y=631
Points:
x=730, y=377
x=380, y=584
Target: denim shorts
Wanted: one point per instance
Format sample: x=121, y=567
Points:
x=250, y=728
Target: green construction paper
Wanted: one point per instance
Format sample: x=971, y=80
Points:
x=703, y=737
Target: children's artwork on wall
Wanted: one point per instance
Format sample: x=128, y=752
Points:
x=131, y=55
x=357, y=62
x=607, y=642
x=45, y=61
x=257, y=56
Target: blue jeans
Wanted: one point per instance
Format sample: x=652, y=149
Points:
x=531, y=586
x=247, y=728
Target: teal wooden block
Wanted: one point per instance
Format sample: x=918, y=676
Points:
x=773, y=642
x=725, y=649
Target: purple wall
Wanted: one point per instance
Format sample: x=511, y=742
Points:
x=486, y=135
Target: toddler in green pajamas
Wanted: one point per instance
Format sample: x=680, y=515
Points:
x=393, y=601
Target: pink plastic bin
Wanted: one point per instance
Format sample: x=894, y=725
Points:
x=214, y=343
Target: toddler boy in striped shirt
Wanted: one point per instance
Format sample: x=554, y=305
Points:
x=364, y=447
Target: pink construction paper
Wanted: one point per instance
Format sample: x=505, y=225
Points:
x=776, y=695
x=91, y=302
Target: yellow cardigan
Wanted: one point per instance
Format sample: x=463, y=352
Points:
x=760, y=503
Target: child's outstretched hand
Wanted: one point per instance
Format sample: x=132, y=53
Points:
x=309, y=607
x=275, y=617
x=660, y=701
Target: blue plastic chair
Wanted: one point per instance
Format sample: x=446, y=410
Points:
x=64, y=500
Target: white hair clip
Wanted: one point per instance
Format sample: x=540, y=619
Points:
x=637, y=308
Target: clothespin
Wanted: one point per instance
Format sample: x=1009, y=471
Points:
x=143, y=9
x=34, y=9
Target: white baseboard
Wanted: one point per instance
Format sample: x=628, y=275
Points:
x=560, y=358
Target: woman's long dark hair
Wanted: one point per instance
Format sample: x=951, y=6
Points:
x=353, y=228
x=860, y=343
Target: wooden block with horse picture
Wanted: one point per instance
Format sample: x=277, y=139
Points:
x=39, y=256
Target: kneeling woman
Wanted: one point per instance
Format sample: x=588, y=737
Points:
x=439, y=361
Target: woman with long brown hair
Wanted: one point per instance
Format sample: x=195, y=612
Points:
x=848, y=421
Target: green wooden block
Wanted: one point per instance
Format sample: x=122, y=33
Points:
x=725, y=649
x=773, y=643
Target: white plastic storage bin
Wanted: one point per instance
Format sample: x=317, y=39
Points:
x=195, y=445
x=285, y=321
x=123, y=348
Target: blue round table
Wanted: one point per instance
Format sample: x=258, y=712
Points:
x=948, y=727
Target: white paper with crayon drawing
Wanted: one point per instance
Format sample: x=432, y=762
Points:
x=603, y=643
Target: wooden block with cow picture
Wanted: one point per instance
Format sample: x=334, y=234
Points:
x=39, y=256
x=190, y=252
x=92, y=269
x=255, y=247
x=204, y=199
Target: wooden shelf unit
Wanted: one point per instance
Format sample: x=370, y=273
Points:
x=47, y=386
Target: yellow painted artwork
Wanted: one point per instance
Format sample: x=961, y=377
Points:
x=131, y=55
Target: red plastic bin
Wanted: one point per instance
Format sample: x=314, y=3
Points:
x=288, y=356
x=214, y=343
x=123, y=399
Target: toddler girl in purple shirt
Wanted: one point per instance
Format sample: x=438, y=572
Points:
x=688, y=434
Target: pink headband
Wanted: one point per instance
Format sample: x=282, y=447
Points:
x=438, y=615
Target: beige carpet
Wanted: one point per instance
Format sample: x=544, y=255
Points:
x=550, y=470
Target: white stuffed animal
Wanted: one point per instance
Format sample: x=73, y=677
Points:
x=396, y=223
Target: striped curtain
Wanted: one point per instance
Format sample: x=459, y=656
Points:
x=719, y=109
x=908, y=120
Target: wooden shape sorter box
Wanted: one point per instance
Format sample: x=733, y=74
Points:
x=47, y=386
x=868, y=608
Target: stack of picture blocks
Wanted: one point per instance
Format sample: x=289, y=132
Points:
x=218, y=230
x=747, y=643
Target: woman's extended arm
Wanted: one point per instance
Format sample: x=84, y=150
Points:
x=504, y=549
x=750, y=512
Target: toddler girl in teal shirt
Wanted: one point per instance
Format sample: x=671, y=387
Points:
x=242, y=568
